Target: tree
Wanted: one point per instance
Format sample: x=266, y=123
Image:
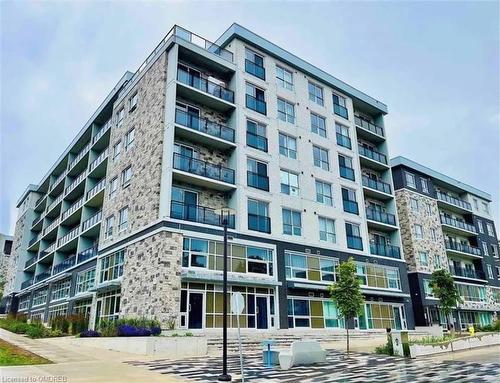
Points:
x=444, y=289
x=346, y=293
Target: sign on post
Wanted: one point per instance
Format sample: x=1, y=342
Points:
x=237, y=307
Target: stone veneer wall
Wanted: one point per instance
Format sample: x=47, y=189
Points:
x=209, y=114
x=206, y=197
x=211, y=155
x=12, y=261
x=142, y=196
x=488, y=305
x=411, y=245
x=151, y=285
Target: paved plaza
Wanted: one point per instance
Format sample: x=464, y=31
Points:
x=360, y=367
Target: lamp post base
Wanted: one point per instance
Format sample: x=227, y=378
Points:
x=224, y=378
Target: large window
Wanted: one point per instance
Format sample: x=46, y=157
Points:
x=241, y=259
x=349, y=201
x=83, y=307
x=292, y=222
x=316, y=93
x=382, y=315
x=310, y=267
x=320, y=157
x=288, y=146
x=418, y=231
x=111, y=266
x=343, y=138
x=326, y=229
x=108, y=306
x=255, y=99
x=340, y=106
x=24, y=303
x=58, y=311
x=39, y=297
x=258, y=216
x=345, y=167
x=429, y=293
x=379, y=277
x=85, y=280
x=284, y=78
x=254, y=64
x=354, y=240
x=289, y=183
x=423, y=258
x=475, y=319
x=318, y=124
x=313, y=313
x=256, y=135
x=324, y=193
x=410, y=180
x=286, y=111
x=472, y=293
x=257, y=174
x=60, y=290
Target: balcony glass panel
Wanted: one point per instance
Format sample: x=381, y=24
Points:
x=254, y=69
x=354, y=242
x=457, y=246
x=380, y=216
x=202, y=168
x=346, y=172
x=372, y=154
x=258, y=181
x=340, y=110
x=350, y=206
x=256, y=141
x=344, y=141
x=259, y=223
x=377, y=185
x=203, y=125
x=255, y=104
x=385, y=250
x=205, y=85
x=454, y=201
x=369, y=126
x=200, y=214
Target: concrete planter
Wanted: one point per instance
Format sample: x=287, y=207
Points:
x=167, y=347
x=489, y=339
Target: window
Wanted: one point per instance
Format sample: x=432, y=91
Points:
x=485, y=248
x=349, y=201
x=288, y=146
x=111, y=266
x=57, y=311
x=113, y=186
x=292, y=222
x=129, y=139
x=324, y=193
x=121, y=115
x=298, y=313
x=318, y=124
x=490, y=271
x=345, y=167
x=123, y=219
x=110, y=222
x=340, y=106
x=498, y=273
x=258, y=216
x=423, y=258
x=326, y=229
x=377, y=276
x=284, y=78
x=7, y=247
x=110, y=307
x=353, y=234
x=429, y=209
x=85, y=280
x=255, y=99
x=342, y=133
x=494, y=250
x=486, y=209
x=489, y=227
x=425, y=185
x=320, y=156
x=39, y=297
x=472, y=293
x=286, y=111
x=117, y=149
x=476, y=204
x=289, y=183
x=418, y=231
x=437, y=262
x=254, y=64
x=60, y=290
x=310, y=267
x=133, y=102
x=433, y=234
x=256, y=135
x=257, y=174
x=414, y=204
x=428, y=289
x=126, y=176
x=316, y=94
x=410, y=180
x=480, y=226
x=24, y=302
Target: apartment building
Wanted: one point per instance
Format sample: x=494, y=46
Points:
x=447, y=224
x=128, y=220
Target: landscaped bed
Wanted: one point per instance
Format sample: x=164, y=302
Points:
x=11, y=355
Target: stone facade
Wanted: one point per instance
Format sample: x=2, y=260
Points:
x=11, y=267
x=142, y=195
x=206, y=197
x=204, y=153
x=428, y=217
x=207, y=113
x=151, y=285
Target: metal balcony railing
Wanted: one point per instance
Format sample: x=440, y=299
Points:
x=97, y=188
x=467, y=273
x=205, y=85
x=200, y=214
x=87, y=254
x=79, y=156
x=58, y=179
x=385, y=250
x=362, y=123
x=343, y=141
x=457, y=246
x=30, y=261
x=203, y=125
x=52, y=225
x=102, y=131
x=372, y=154
x=93, y=220
x=64, y=265
x=68, y=237
x=55, y=202
x=100, y=158
x=203, y=168
x=457, y=223
x=34, y=239
x=42, y=276
x=199, y=41
x=48, y=250
x=78, y=204
x=27, y=283
x=376, y=185
x=76, y=181
x=380, y=216
x=453, y=200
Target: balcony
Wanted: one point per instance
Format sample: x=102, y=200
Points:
x=369, y=128
x=257, y=142
x=42, y=276
x=200, y=214
x=58, y=180
x=341, y=111
x=213, y=176
x=380, y=216
x=52, y=226
x=37, y=220
x=354, y=242
x=350, y=206
x=68, y=237
x=64, y=265
x=78, y=204
x=380, y=159
x=458, y=227
x=30, y=261
x=76, y=182
x=254, y=69
x=34, y=240
x=255, y=104
x=467, y=273
x=102, y=131
x=201, y=42
x=347, y=173
x=258, y=181
x=459, y=204
x=27, y=283
x=101, y=185
x=49, y=250
x=87, y=254
x=208, y=128
x=259, y=223
x=204, y=91
x=344, y=141
x=385, y=250
x=55, y=202
x=376, y=185
x=462, y=249
x=93, y=220
x=79, y=156
x=39, y=200
x=100, y=158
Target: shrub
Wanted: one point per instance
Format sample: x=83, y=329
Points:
x=89, y=334
x=155, y=330
x=108, y=327
x=37, y=331
x=77, y=323
x=386, y=349
x=129, y=330
x=60, y=323
x=171, y=324
x=188, y=334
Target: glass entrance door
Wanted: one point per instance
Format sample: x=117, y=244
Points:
x=195, y=310
x=262, y=317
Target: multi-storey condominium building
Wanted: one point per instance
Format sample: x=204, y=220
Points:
x=447, y=224
x=128, y=220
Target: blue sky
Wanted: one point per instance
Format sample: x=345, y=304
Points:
x=435, y=64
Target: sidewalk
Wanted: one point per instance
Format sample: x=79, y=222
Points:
x=84, y=364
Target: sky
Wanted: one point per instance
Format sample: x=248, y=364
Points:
x=435, y=64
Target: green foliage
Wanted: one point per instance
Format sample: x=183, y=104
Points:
x=188, y=334
x=433, y=339
x=138, y=322
x=386, y=349
x=11, y=355
x=108, y=327
x=174, y=334
x=171, y=324
x=444, y=289
x=495, y=327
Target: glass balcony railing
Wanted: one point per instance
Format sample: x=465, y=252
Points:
x=30, y=261
x=256, y=141
x=341, y=111
x=201, y=42
x=467, y=273
x=79, y=156
x=203, y=168
x=102, y=131
x=97, y=188
x=254, y=69
x=76, y=181
x=253, y=103
x=42, y=276
x=258, y=181
x=27, y=283
x=205, y=85
x=453, y=200
x=64, y=265
x=350, y=206
x=458, y=224
x=203, y=125
x=87, y=254
x=463, y=248
x=78, y=204
x=362, y=123
x=376, y=185
x=380, y=216
x=372, y=154
x=344, y=141
x=33, y=240
x=200, y=214
x=354, y=242
x=385, y=250
x=93, y=220
x=100, y=158
x=347, y=173
x=259, y=223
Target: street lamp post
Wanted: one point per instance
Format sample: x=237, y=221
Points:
x=224, y=377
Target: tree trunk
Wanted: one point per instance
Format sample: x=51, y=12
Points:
x=347, y=329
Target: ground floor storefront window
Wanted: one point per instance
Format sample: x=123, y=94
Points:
x=202, y=306
x=83, y=307
x=107, y=306
x=313, y=313
x=474, y=318
x=382, y=315
x=57, y=311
